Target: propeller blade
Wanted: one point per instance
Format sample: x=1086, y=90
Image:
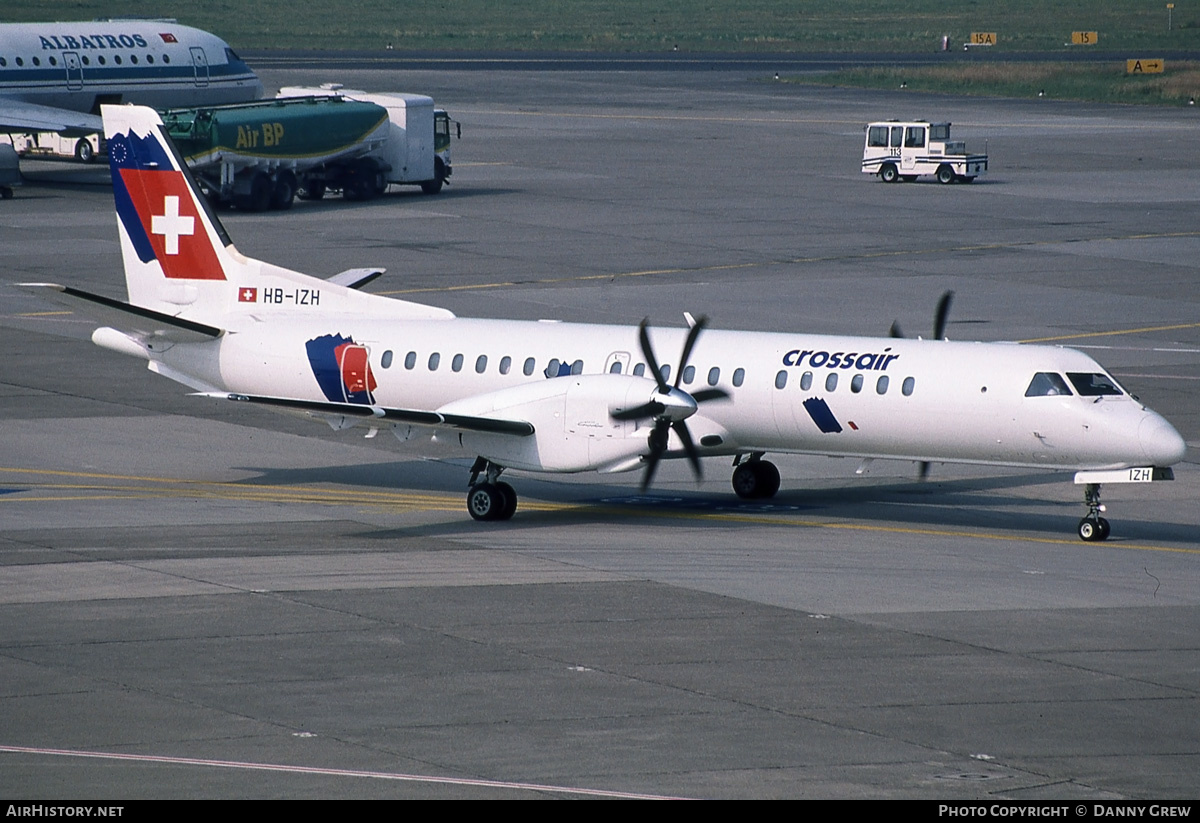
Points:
x=704, y=395
x=658, y=444
x=689, y=447
x=651, y=467
x=923, y=470
x=895, y=331
x=648, y=353
x=943, y=312
x=693, y=333
x=642, y=412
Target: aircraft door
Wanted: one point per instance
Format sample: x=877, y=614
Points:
x=617, y=363
x=200, y=65
x=357, y=381
x=74, y=70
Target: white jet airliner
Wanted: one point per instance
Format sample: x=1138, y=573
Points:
x=55, y=76
x=565, y=397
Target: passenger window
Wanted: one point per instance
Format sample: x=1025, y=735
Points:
x=714, y=376
x=481, y=364
x=386, y=360
x=435, y=360
x=906, y=388
x=615, y=368
x=529, y=366
x=1092, y=385
x=881, y=384
x=739, y=376
x=806, y=381
x=552, y=367
x=831, y=381
x=1047, y=384
x=410, y=360
x=856, y=383
x=456, y=363
x=665, y=371
x=577, y=367
x=780, y=379
x=505, y=364
x=639, y=370
x=689, y=374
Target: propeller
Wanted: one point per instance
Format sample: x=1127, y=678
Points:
x=672, y=406
x=940, y=317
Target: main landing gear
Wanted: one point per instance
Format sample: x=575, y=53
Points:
x=491, y=499
x=1093, y=527
x=754, y=479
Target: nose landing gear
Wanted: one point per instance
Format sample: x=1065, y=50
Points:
x=1093, y=527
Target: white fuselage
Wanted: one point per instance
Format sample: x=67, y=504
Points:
x=866, y=397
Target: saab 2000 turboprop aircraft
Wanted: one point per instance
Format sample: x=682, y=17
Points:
x=55, y=76
x=565, y=397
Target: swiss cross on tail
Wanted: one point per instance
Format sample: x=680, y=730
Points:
x=158, y=209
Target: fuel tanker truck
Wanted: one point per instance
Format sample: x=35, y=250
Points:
x=259, y=156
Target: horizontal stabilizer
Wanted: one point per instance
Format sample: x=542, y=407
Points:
x=356, y=278
x=413, y=417
x=125, y=316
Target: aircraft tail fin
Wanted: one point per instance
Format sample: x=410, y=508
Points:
x=179, y=260
x=177, y=255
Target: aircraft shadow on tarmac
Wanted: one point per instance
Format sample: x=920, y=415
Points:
x=951, y=504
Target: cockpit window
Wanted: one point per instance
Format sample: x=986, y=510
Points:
x=1092, y=385
x=1047, y=384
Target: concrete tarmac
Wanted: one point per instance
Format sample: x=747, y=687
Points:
x=198, y=599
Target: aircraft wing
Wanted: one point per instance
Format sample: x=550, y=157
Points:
x=414, y=417
x=125, y=316
x=19, y=116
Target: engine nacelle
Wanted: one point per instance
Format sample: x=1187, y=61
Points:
x=572, y=416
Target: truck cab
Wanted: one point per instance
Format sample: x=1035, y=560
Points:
x=897, y=150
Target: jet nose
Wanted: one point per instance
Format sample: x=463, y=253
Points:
x=1161, y=444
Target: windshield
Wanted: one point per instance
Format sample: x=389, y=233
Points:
x=1093, y=385
x=1047, y=384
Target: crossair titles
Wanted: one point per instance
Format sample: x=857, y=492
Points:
x=868, y=361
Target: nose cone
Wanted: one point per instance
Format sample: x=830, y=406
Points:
x=1161, y=444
